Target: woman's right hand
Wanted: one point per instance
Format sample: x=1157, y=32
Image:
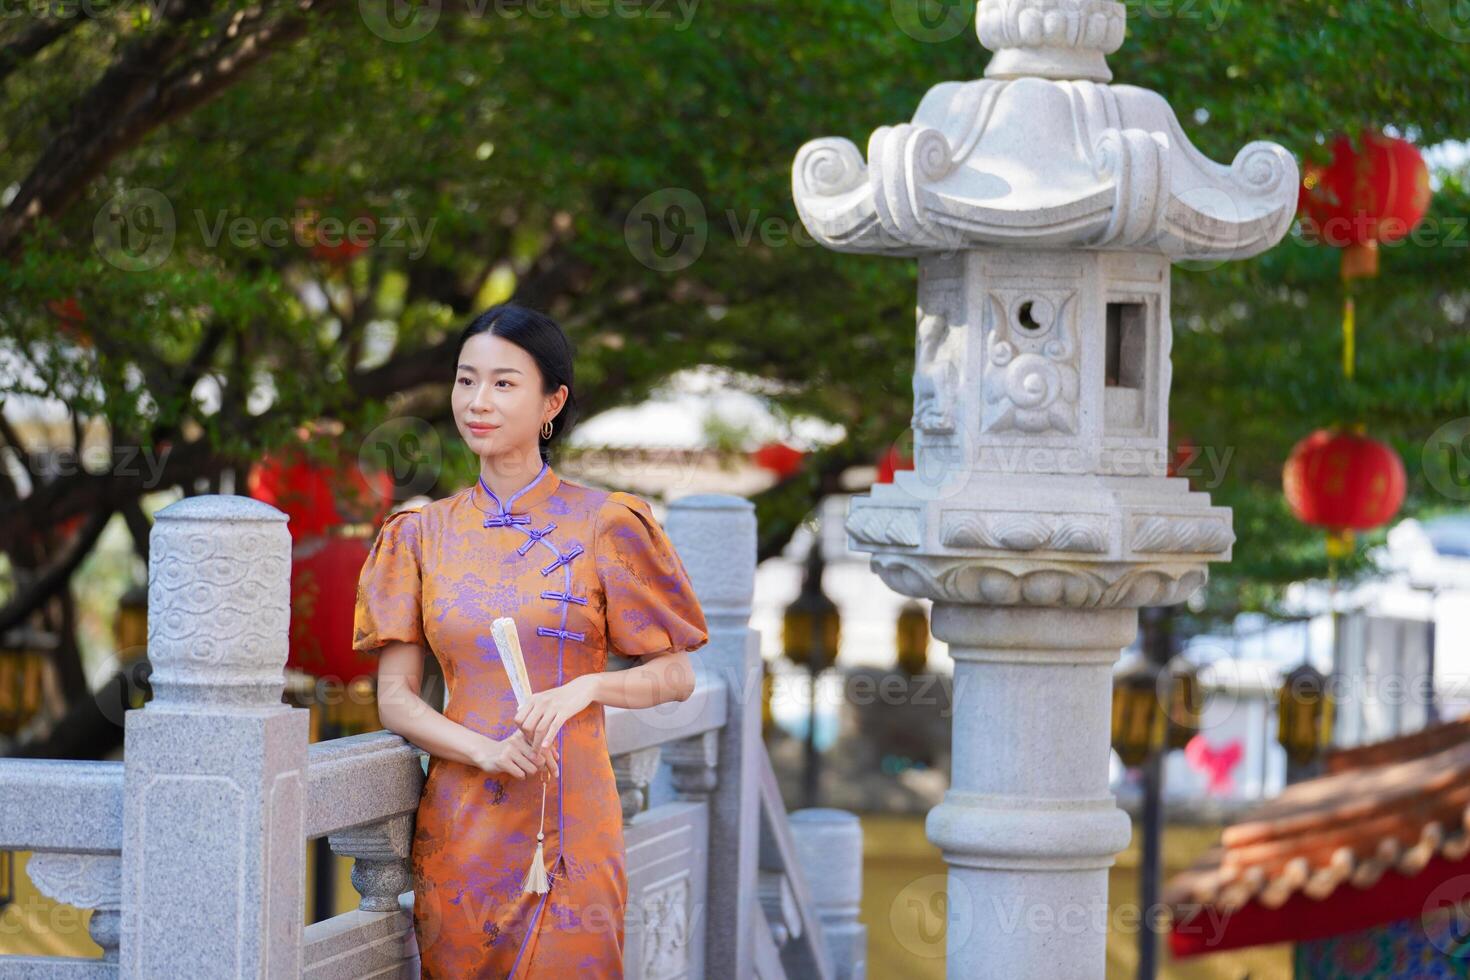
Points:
x=514, y=756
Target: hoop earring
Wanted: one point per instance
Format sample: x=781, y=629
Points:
x=546, y=429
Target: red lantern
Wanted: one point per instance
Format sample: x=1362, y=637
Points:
x=324, y=574
x=67, y=310
x=70, y=318
x=345, y=243
x=316, y=496
x=299, y=490
x=1184, y=455
x=64, y=531
x=345, y=250
x=779, y=458
x=891, y=462
x=1366, y=196
x=1345, y=482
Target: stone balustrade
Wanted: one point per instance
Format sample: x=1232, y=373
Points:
x=190, y=852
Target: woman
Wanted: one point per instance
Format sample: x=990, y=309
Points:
x=580, y=571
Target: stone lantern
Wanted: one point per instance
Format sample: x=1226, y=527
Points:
x=1045, y=208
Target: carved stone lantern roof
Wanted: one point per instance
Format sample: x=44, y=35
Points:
x=1043, y=153
x=1046, y=207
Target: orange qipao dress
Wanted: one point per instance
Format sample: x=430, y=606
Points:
x=579, y=570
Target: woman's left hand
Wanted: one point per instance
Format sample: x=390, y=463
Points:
x=542, y=716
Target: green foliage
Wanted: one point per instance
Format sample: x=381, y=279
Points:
x=510, y=152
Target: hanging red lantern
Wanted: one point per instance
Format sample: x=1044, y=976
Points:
x=779, y=458
x=324, y=574
x=319, y=496
x=1373, y=194
x=298, y=489
x=63, y=530
x=70, y=319
x=339, y=242
x=1345, y=482
x=349, y=246
x=68, y=310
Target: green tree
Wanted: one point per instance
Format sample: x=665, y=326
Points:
x=508, y=154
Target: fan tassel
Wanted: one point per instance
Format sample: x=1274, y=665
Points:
x=537, y=880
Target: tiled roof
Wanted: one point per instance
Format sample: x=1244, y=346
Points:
x=1389, y=806
x=1399, y=749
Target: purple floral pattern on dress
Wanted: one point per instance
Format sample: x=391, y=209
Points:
x=603, y=576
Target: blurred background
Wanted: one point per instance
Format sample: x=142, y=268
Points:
x=237, y=243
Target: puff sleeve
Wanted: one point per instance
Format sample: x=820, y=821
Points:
x=651, y=606
x=389, y=588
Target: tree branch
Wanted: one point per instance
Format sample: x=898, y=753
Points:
x=34, y=40
x=22, y=452
x=139, y=93
x=36, y=592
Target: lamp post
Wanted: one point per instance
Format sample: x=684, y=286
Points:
x=25, y=662
x=1156, y=708
x=1045, y=208
x=768, y=691
x=912, y=638
x=130, y=636
x=1304, y=717
x=130, y=628
x=810, y=631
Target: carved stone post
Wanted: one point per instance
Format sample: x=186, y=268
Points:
x=1045, y=208
x=214, y=765
x=715, y=538
x=829, y=846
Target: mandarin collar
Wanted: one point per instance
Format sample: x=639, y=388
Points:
x=537, y=489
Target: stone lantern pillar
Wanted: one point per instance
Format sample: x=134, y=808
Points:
x=1045, y=208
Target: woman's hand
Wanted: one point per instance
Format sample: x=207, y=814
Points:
x=514, y=756
x=542, y=716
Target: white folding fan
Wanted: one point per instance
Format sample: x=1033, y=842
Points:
x=508, y=642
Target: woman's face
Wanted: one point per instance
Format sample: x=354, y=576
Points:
x=497, y=401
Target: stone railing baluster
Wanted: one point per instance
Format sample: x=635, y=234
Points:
x=694, y=765
x=86, y=881
x=380, y=852
x=634, y=771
